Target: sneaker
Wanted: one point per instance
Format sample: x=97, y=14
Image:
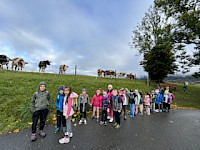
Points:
x=117, y=126
x=101, y=123
x=64, y=140
x=85, y=121
x=80, y=122
x=160, y=110
x=92, y=117
x=70, y=134
x=108, y=117
x=125, y=118
x=42, y=133
x=97, y=119
x=106, y=123
x=64, y=129
x=56, y=130
x=33, y=137
x=111, y=120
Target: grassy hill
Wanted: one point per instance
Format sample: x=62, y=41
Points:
x=17, y=88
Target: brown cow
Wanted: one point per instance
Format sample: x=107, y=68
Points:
x=121, y=74
x=130, y=76
x=110, y=73
x=100, y=73
x=43, y=64
x=62, y=69
x=18, y=63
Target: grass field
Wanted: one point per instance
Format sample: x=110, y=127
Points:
x=17, y=88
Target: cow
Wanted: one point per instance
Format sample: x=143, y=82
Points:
x=4, y=60
x=43, y=64
x=100, y=73
x=18, y=63
x=62, y=69
x=121, y=74
x=130, y=76
x=110, y=73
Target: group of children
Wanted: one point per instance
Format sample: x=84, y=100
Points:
x=111, y=102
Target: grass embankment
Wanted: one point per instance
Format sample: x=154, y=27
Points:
x=17, y=88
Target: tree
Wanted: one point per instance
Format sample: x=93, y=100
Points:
x=153, y=39
x=186, y=21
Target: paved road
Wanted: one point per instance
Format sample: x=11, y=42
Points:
x=178, y=130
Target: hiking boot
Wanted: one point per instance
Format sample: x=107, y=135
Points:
x=85, y=121
x=64, y=129
x=117, y=126
x=42, y=133
x=111, y=120
x=33, y=138
x=64, y=140
x=56, y=130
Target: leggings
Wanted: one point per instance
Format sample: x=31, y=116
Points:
x=117, y=116
x=94, y=110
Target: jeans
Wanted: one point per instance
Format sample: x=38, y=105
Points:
x=124, y=109
x=69, y=124
x=42, y=114
x=132, y=108
x=60, y=118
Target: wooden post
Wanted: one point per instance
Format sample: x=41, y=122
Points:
x=135, y=78
x=75, y=71
x=115, y=74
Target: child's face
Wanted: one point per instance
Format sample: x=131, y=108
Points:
x=131, y=92
x=42, y=87
x=109, y=88
x=98, y=92
x=84, y=92
x=120, y=93
x=66, y=91
x=124, y=92
x=114, y=93
x=61, y=91
x=104, y=95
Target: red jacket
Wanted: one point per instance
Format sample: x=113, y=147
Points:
x=96, y=100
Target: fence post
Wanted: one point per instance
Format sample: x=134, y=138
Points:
x=135, y=78
x=75, y=71
x=115, y=74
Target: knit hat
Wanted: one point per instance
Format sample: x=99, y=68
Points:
x=84, y=89
x=61, y=88
x=131, y=90
x=152, y=91
x=120, y=91
x=136, y=91
x=104, y=93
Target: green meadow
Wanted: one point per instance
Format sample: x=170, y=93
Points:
x=17, y=88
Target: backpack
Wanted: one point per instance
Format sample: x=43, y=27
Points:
x=75, y=104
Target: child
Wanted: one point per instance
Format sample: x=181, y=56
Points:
x=117, y=108
x=171, y=97
x=131, y=97
x=137, y=101
x=39, y=106
x=96, y=103
x=166, y=99
x=141, y=107
x=68, y=112
x=104, y=107
x=153, y=99
x=110, y=109
x=59, y=107
x=125, y=101
x=82, y=105
x=159, y=99
x=147, y=101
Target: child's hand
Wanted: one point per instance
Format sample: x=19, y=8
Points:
x=119, y=111
x=66, y=117
x=90, y=104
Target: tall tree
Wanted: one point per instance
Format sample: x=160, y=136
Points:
x=186, y=21
x=153, y=39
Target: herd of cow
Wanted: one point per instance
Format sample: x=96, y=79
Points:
x=19, y=63
x=111, y=73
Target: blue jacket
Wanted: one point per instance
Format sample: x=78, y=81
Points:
x=59, y=101
x=159, y=98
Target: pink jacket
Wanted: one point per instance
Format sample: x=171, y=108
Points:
x=96, y=100
x=171, y=96
x=147, y=100
x=67, y=108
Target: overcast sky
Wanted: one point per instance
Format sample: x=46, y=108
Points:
x=90, y=33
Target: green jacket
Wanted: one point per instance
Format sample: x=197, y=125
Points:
x=40, y=99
